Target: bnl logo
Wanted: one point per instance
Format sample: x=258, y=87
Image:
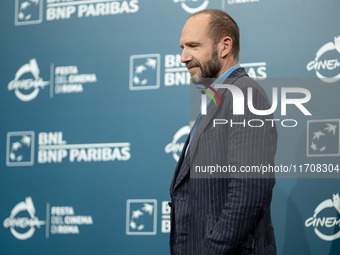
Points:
x=144, y=72
x=28, y=12
x=20, y=148
x=323, y=138
x=141, y=217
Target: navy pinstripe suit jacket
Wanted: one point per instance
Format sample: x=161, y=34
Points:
x=229, y=215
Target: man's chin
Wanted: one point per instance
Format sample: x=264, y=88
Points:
x=202, y=81
x=196, y=79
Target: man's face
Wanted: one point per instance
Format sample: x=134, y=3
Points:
x=199, y=52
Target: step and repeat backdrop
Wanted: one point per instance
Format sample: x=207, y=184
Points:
x=95, y=108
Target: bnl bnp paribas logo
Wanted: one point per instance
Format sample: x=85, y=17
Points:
x=323, y=138
x=326, y=63
x=53, y=148
x=28, y=12
x=141, y=217
x=20, y=148
x=145, y=71
x=326, y=219
x=23, y=220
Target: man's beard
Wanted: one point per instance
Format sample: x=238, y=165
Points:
x=209, y=71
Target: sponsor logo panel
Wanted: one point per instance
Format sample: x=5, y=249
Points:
x=27, y=82
x=28, y=12
x=141, y=217
x=145, y=71
x=23, y=220
x=23, y=228
x=20, y=148
x=326, y=219
x=323, y=138
x=326, y=63
x=53, y=148
x=176, y=146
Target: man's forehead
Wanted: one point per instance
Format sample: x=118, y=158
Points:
x=202, y=18
x=199, y=21
x=196, y=27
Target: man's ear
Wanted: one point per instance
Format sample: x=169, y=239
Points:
x=226, y=44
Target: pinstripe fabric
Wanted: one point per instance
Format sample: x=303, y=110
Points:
x=229, y=215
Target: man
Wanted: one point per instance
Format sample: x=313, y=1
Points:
x=228, y=213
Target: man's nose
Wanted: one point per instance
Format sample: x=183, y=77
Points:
x=186, y=56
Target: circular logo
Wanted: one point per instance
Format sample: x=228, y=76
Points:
x=189, y=9
x=176, y=146
x=325, y=222
x=326, y=65
x=14, y=222
x=33, y=85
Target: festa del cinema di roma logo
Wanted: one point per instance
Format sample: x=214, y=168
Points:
x=327, y=68
x=60, y=220
x=27, y=225
x=177, y=143
x=322, y=223
x=27, y=83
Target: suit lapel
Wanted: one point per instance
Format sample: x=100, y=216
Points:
x=211, y=112
x=179, y=164
x=206, y=119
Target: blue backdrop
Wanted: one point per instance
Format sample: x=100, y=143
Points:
x=95, y=107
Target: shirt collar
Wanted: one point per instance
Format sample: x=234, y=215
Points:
x=222, y=78
x=225, y=75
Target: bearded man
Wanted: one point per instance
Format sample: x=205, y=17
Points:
x=226, y=213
